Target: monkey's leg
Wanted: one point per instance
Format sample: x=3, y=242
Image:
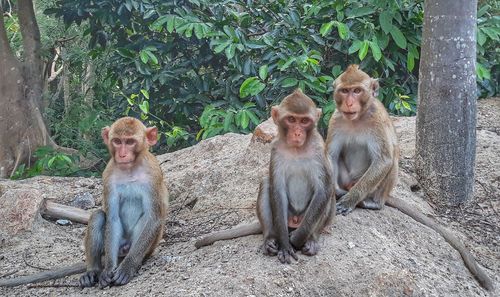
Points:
x=270, y=246
x=144, y=236
x=377, y=199
x=94, y=248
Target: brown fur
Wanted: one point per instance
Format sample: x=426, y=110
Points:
x=364, y=151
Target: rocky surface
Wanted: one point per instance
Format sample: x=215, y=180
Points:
x=213, y=186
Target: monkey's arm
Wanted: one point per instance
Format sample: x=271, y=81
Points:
x=469, y=260
x=279, y=210
x=45, y=275
x=333, y=156
x=112, y=233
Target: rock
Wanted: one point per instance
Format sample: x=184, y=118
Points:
x=19, y=209
x=265, y=131
x=83, y=200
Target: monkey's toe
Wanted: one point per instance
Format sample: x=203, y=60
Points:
x=343, y=208
x=121, y=278
x=88, y=279
x=105, y=279
x=270, y=247
x=285, y=255
x=311, y=248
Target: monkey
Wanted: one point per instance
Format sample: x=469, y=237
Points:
x=363, y=149
x=296, y=199
x=129, y=227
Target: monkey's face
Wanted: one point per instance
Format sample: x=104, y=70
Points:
x=351, y=100
x=297, y=127
x=124, y=150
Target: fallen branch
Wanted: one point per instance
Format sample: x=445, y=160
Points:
x=61, y=211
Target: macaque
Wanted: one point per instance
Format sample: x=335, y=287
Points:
x=130, y=225
x=296, y=199
x=364, y=152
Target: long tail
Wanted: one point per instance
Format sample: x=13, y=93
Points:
x=43, y=276
x=238, y=231
x=469, y=260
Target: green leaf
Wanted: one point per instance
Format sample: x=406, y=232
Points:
x=356, y=45
x=398, y=37
x=363, y=50
x=230, y=51
x=360, y=11
x=198, y=31
x=289, y=82
x=287, y=63
x=481, y=38
x=251, y=87
x=219, y=48
x=263, y=71
x=377, y=54
x=410, y=61
x=158, y=24
x=406, y=105
x=144, y=56
x=326, y=28
x=385, y=20
x=245, y=119
x=170, y=23
x=152, y=57
x=228, y=120
x=343, y=30
x=255, y=120
x=144, y=106
x=145, y=93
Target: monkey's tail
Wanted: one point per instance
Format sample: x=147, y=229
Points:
x=238, y=231
x=469, y=260
x=43, y=276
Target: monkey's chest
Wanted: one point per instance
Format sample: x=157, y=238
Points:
x=299, y=190
x=356, y=158
x=131, y=205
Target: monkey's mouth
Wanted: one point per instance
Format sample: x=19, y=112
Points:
x=349, y=114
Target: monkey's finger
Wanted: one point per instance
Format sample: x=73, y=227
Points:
x=105, y=279
x=121, y=278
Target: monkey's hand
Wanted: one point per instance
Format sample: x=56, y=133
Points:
x=123, y=274
x=346, y=204
x=105, y=278
x=311, y=248
x=285, y=255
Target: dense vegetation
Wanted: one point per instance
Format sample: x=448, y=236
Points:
x=201, y=68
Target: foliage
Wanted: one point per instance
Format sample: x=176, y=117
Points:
x=49, y=162
x=192, y=66
x=488, y=38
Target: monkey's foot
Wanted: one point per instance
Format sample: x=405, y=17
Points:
x=89, y=279
x=370, y=203
x=344, y=207
x=311, y=248
x=105, y=279
x=270, y=247
x=122, y=276
x=285, y=255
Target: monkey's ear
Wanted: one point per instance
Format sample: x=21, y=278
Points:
x=152, y=135
x=375, y=87
x=275, y=114
x=105, y=134
x=319, y=112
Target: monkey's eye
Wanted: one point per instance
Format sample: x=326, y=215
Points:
x=291, y=119
x=130, y=141
x=116, y=141
x=344, y=91
x=305, y=121
x=357, y=90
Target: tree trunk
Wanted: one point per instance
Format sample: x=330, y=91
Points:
x=446, y=115
x=23, y=128
x=66, y=86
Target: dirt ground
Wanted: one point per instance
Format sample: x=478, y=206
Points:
x=213, y=186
